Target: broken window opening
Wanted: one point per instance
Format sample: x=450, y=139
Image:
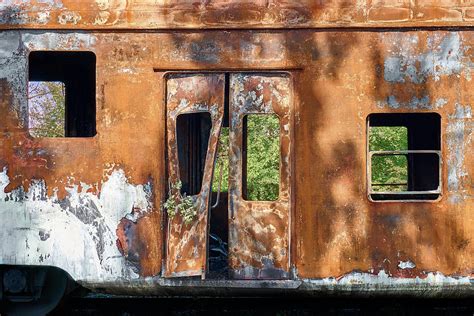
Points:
x=61, y=94
x=404, y=156
x=192, y=133
x=261, y=157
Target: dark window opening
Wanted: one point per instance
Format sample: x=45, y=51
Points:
x=261, y=157
x=61, y=94
x=404, y=156
x=192, y=132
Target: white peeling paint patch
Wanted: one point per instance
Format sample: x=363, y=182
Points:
x=406, y=265
x=415, y=103
x=58, y=41
x=458, y=134
x=382, y=278
x=43, y=17
x=445, y=56
x=461, y=112
x=69, y=17
x=76, y=234
x=103, y=4
x=102, y=18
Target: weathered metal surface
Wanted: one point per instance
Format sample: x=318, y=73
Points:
x=340, y=77
x=338, y=228
x=146, y=14
x=354, y=284
x=65, y=200
x=259, y=231
x=186, y=245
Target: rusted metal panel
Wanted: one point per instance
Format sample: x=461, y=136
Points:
x=67, y=200
x=186, y=250
x=259, y=245
x=343, y=76
x=231, y=14
x=339, y=229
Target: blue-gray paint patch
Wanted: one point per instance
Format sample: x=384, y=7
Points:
x=205, y=51
x=414, y=104
x=14, y=71
x=443, y=59
x=9, y=44
x=40, y=4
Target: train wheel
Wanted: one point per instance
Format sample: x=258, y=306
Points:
x=27, y=290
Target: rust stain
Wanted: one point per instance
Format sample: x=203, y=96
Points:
x=133, y=242
x=337, y=228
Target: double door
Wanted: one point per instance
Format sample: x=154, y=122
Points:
x=198, y=108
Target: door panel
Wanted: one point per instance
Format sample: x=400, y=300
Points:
x=186, y=247
x=259, y=243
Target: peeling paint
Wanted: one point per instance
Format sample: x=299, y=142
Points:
x=415, y=103
x=69, y=17
x=458, y=134
x=383, y=278
x=443, y=57
x=58, y=41
x=406, y=265
x=77, y=233
x=40, y=4
x=145, y=14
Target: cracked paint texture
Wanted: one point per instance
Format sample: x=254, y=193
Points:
x=77, y=233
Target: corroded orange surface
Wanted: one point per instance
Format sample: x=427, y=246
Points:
x=150, y=14
x=339, y=78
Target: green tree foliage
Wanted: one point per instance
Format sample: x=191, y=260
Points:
x=263, y=158
x=222, y=163
x=46, y=109
x=180, y=204
x=389, y=172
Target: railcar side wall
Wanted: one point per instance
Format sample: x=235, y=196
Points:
x=92, y=206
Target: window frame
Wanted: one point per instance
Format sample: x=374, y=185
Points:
x=370, y=154
x=67, y=87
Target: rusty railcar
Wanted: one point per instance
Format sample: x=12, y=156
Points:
x=140, y=73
